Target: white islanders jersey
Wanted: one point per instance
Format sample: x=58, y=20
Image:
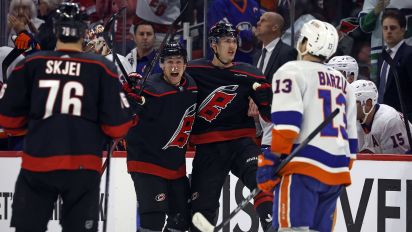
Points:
x=387, y=134
x=304, y=94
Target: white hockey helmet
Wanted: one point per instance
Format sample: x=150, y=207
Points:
x=322, y=39
x=347, y=64
x=365, y=90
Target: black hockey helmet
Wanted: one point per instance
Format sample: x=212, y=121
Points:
x=222, y=29
x=173, y=48
x=68, y=22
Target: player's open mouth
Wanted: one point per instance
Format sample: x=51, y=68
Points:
x=174, y=74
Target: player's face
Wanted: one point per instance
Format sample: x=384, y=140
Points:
x=349, y=77
x=144, y=37
x=226, y=48
x=359, y=111
x=392, y=32
x=173, y=68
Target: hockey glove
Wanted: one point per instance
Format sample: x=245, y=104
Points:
x=263, y=98
x=130, y=87
x=263, y=93
x=134, y=80
x=265, y=175
x=25, y=41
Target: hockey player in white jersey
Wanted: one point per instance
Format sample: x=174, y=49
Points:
x=347, y=65
x=381, y=128
x=305, y=92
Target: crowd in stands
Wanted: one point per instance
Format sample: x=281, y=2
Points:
x=361, y=26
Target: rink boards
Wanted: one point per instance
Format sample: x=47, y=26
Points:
x=379, y=199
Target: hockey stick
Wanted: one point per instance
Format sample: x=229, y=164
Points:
x=106, y=165
x=13, y=54
x=109, y=43
x=205, y=226
x=392, y=64
x=292, y=5
x=149, y=68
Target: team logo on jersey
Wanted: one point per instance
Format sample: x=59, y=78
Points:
x=160, y=197
x=181, y=135
x=217, y=100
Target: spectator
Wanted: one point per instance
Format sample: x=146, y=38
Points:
x=274, y=54
x=393, y=25
x=22, y=16
x=144, y=52
x=244, y=15
x=369, y=22
x=45, y=35
x=381, y=129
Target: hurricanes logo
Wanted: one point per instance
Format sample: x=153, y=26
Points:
x=160, y=197
x=217, y=100
x=181, y=135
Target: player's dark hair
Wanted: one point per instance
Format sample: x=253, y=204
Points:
x=395, y=14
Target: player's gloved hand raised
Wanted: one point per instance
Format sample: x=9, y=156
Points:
x=131, y=88
x=263, y=93
x=265, y=175
x=134, y=80
x=26, y=41
x=262, y=96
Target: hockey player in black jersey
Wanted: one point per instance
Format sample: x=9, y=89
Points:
x=222, y=131
x=156, y=147
x=69, y=102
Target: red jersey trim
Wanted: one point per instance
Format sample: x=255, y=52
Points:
x=16, y=132
x=18, y=67
x=118, y=131
x=200, y=66
x=249, y=74
x=217, y=136
x=156, y=170
x=12, y=122
x=114, y=75
x=61, y=162
x=167, y=93
x=262, y=197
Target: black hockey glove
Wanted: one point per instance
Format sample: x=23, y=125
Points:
x=131, y=88
x=263, y=98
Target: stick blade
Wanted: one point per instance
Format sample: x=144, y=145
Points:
x=202, y=223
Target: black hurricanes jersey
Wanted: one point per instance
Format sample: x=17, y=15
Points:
x=69, y=101
x=223, y=101
x=157, y=145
